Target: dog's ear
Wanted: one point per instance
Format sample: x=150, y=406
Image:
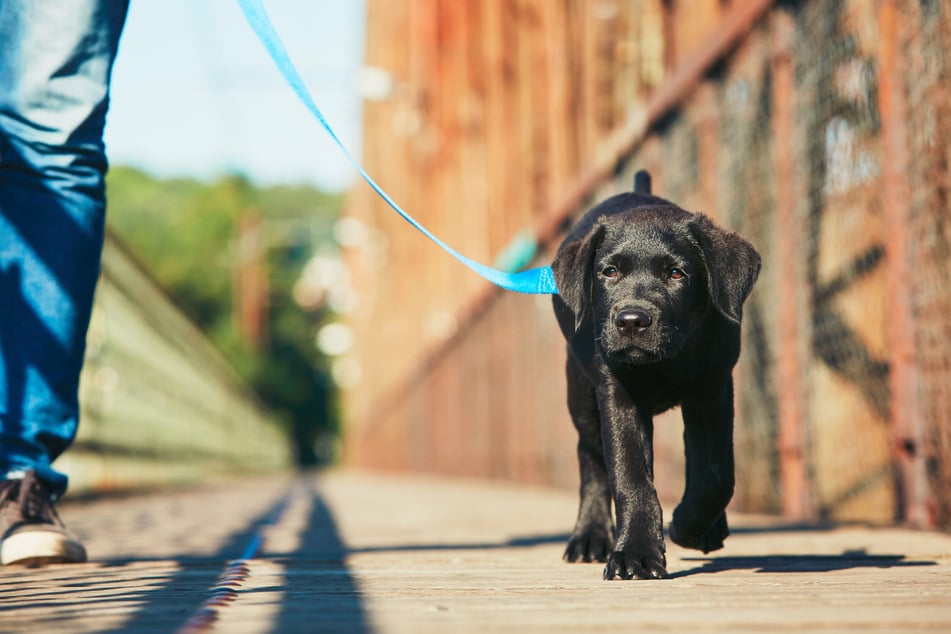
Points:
x=732, y=266
x=574, y=275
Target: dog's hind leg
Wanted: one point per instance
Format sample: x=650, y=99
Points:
x=593, y=536
x=699, y=521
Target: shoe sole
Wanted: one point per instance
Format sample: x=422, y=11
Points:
x=37, y=548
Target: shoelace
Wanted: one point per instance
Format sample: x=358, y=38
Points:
x=31, y=497
x=7, y=491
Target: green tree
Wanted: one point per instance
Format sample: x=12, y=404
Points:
x=184, y=232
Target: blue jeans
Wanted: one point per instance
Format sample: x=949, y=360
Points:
x=55, y=63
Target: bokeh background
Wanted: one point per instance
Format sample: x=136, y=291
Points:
x=816, y=128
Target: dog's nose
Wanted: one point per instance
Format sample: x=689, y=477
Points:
x=630, y=321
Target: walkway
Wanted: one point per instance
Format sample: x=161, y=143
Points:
x=347, y=552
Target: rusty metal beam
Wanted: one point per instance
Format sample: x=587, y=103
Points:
x=792, y=308
x=907, y=422
x=675, y=89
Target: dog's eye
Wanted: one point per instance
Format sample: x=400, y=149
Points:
x=676, y=274
x=609, y=271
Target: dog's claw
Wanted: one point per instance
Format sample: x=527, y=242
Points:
x=589, y=545
x=622, y=565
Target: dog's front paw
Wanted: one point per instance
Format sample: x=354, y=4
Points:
x=709, y=540
x=635, y=565
x=592, y=543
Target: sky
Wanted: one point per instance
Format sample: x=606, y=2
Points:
x=194, y=92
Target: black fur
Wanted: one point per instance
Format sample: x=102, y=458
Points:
x=650, y=302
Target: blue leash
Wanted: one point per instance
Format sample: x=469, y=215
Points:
x=539, y=280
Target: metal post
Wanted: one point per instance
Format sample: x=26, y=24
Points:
x=906, y=416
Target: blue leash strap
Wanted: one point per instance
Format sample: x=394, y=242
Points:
x=538, y=280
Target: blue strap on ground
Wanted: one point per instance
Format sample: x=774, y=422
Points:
x=539, y=280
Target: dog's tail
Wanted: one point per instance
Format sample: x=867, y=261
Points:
x=642, y=182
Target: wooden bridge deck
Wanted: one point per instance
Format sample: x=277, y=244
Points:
x=347, y=552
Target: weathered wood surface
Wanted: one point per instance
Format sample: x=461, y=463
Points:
x=362, y=553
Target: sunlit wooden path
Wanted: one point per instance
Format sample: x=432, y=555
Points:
x=345, y=552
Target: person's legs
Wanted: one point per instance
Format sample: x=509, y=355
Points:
x=54, y=78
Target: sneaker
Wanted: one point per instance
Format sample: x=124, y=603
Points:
x=32, y=532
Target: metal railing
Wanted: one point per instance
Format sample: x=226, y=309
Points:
x=160, y=405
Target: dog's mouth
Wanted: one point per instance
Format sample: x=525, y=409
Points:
x=640, y=348
x=630, y=352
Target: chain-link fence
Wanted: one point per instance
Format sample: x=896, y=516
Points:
x=832, y=160
x=823, y=138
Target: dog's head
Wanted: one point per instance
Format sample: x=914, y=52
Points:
x=647, y=276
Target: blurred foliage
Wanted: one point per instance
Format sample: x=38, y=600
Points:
x=185, y=231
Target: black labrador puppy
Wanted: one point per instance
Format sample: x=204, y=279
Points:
x=650, y=301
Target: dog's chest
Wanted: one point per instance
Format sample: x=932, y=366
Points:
x=655, y=389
